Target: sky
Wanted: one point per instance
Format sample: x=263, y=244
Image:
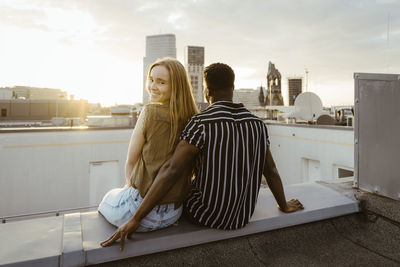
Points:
x=94, y=49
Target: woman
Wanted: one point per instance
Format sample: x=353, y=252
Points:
x=152, y=143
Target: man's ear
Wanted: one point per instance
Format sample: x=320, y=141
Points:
x=207, y=92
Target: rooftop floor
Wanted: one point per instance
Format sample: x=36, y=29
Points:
x=74, y=239
x=368, y=238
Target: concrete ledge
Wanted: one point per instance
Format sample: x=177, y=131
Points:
x=31, y=243
x=72, y=252
x=320, y=203
x=83, y=232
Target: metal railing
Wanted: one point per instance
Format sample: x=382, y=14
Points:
x=4, y=219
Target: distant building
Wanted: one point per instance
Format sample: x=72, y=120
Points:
x=261, y=99
x=274, y=96
x=41, y=110
x=34, y=93
x=249, y=97
x=194, y=64
x=157, y=46
x=295, y=86
x=6, y=93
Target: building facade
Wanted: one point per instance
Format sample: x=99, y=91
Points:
x=194, y=64
x=6, y=93
x=34, y=93
x=41, y=110
x=249, y=97
x=157, y=46
x=274, y=77
x=295, y=86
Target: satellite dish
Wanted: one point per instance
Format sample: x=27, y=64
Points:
x=307, y=106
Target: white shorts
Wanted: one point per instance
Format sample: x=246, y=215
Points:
x=119, y=205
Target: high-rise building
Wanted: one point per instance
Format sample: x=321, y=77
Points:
x=294, y=89
x=194, y=64
x=157, y=46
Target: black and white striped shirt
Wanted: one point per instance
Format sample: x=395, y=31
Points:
x=233, y=144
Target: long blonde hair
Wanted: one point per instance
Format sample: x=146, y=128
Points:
x=181, y=104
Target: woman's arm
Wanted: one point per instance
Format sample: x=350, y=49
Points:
x=135, y=147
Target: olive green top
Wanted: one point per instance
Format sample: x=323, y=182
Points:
x=156, y=128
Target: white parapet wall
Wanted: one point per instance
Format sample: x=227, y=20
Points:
x=306, y=153
x=48, y=170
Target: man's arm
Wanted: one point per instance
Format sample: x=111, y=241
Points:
x=275, y=185
x=178, y=166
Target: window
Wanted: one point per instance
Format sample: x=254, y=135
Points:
x=4, y=112
x=342, y=173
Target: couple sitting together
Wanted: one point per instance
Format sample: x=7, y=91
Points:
x=207, y=166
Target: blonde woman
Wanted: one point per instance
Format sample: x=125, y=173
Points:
x=152, y=143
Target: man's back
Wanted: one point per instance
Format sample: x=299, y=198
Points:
x=232, y=146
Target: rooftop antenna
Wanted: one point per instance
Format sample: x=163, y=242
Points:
x=306, y=70
x=387, y=43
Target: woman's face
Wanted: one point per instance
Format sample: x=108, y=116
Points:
x=159, y=85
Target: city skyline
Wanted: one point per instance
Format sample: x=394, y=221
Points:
x=95, y=49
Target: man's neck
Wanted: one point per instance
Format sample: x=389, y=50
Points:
x=212, y=100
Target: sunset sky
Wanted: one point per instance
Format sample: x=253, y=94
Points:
x=94, y=49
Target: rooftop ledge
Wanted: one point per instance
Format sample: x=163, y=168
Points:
x=74, y=239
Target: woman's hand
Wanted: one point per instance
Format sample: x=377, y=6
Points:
x=122, y=232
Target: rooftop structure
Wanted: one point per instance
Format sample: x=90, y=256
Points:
x=93, y=160
x=249, y=97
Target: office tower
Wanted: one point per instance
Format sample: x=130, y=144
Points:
x=157, y=46
x=294, y=89
x=194, y=64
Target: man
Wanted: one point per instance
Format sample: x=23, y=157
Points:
x=230, y=149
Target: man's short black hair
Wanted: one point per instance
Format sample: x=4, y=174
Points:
x=219, y=77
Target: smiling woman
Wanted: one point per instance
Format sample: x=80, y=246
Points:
x=159, y=85
x=152, y=144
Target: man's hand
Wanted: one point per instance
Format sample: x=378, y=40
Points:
x=122, y=233
x=292, y=206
